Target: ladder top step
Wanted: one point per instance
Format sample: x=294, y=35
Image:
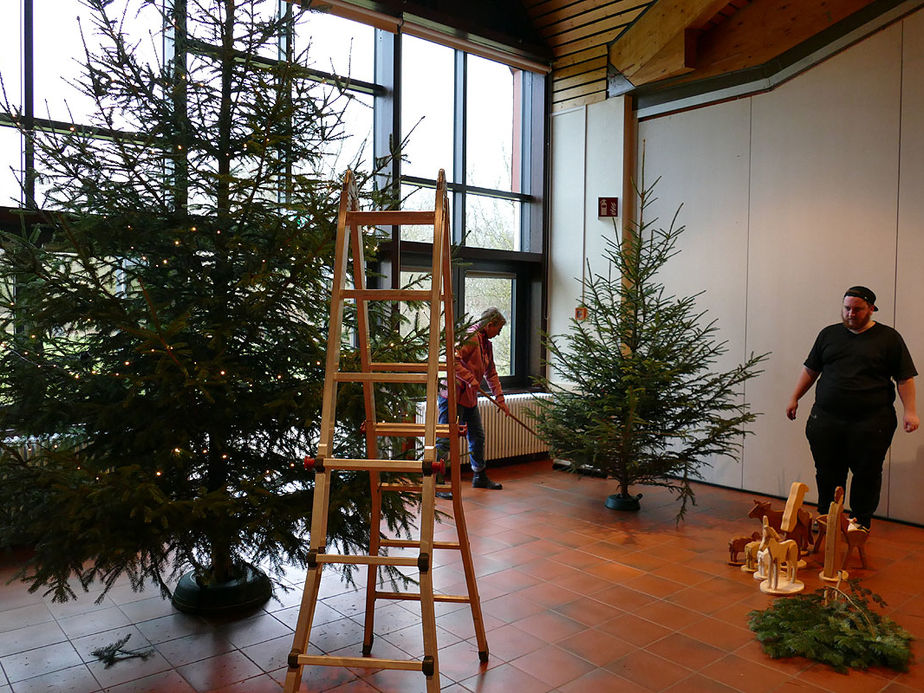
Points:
x=392, y=216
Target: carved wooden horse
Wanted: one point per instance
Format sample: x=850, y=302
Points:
x=737, y=545
x=801, y=533
x=777, y=554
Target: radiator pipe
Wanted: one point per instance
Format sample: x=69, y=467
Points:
x=507, y=412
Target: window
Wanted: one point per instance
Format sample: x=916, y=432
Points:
x=337, y=45
x=60, y=30
x=468, y=115
x=11, y=156
x=491, y=125
x=11, y=52
x=483, y=291
x=479, y=120
x=427, y=97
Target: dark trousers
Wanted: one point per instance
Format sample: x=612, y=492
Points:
x=859, y=446
x=472, y=417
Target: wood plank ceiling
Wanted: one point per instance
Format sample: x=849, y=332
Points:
x=632, y=43
x=579, y=34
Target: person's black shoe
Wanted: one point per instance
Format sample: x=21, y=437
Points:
x=445, y=495
x=481, y=480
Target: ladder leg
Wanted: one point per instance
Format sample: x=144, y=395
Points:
x=312, y=584
x=372, y=584
x=428, y=612
x=465, y=549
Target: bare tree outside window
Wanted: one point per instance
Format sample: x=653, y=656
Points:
x=484, y=291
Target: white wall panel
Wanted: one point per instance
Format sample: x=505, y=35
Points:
x=823, y=182
x=905, y=484
x=566, y=224
x=604, y=175
x=701, y=157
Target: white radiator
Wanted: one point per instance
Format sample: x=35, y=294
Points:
x=504, y=437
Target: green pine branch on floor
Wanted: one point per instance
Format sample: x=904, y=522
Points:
x=841, y=631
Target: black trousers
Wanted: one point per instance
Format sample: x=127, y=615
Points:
x=859, y=446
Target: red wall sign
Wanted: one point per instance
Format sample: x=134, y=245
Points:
x=607, y=206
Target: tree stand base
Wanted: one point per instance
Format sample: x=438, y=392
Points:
x=248, y=591
x=623, y=502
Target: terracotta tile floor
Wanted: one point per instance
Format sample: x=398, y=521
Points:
x=575, y=597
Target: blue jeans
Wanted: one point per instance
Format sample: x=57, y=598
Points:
x=472, y=418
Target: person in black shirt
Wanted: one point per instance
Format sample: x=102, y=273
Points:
x=851, y=424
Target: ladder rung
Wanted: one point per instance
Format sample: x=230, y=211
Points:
x=356, y=377
x=405, y=466
x=406, y=367
x=412, y=488
x=389, y=294
x=361, y=662
x=409, y=430
x=412, y=544
x=389, y=217
x=366, y=560
x=415, y=597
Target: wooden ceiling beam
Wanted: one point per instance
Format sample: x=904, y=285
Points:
x=659, y=42
x=764, y=30
x=677, y=38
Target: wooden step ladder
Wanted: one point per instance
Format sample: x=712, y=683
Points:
x=350, y=222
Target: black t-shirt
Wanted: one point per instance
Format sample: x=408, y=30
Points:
x=857, y=370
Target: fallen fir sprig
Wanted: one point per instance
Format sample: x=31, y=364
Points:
x=833, y=627
x=115, y=652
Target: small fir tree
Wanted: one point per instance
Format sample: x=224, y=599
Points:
x=166, y=324
x=643, y=402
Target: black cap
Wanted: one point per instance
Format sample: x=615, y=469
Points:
x=864, y=293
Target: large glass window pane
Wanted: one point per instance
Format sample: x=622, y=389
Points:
x=10, y=167
x=418, y=316
x=11, y=51
x=416, y=198
x=491, y=222
x=426, y=107
x=206, y=18
x=337, y=45
x=351, y=145
x=492, y=126
x=484, y=291
x=60, y=31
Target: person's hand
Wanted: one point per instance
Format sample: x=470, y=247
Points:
x=791, y=410
x=504, y=408
x=911, y=422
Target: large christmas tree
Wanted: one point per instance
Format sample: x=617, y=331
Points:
x=639, y=397
x=166, y=314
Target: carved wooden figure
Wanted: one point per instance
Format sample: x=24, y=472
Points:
x=835, y=541
x=751, y=564
x=780, y=555
x=801, y=531
x=737, y=545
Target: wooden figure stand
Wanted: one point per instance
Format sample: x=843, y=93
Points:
x=428, y=373
x=833, y=538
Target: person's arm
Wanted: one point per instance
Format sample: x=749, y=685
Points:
x=807, y=378
x=490, y=374
x=906, y=394
x=463, y=372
